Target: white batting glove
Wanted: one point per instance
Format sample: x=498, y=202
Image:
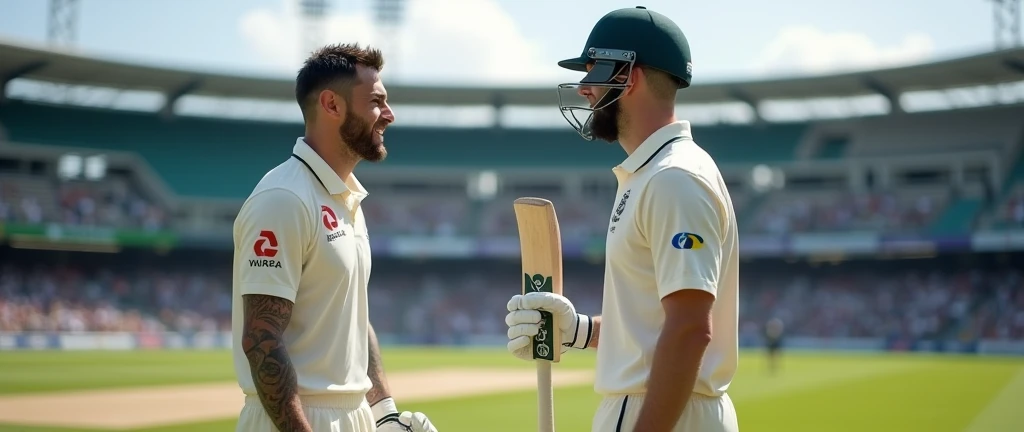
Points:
x=523, y=321
x=385, y=413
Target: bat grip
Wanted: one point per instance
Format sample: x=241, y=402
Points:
x=545, y=397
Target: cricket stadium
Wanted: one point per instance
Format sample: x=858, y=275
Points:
x=883, y=236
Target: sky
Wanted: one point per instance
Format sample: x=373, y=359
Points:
x=518, y=42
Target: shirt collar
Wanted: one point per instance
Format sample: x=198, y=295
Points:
x=323, y=172
x=654, y=143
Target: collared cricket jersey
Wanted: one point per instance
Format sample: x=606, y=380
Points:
x=301, y=236
x=672, y=227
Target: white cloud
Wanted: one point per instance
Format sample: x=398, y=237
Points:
x=805, y=49
x=442, y=41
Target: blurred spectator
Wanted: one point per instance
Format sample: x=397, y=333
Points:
x=1011, y=213
x=845, y=211
x=107, y=203
x=451, y=304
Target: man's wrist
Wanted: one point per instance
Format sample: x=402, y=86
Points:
x=584, y=331
x=384, y=411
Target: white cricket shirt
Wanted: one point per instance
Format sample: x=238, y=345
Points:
x=672, y=228
x=301, y=236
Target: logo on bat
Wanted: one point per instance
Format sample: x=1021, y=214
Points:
x=537, y=283
x=543, y=350
x=539, y=341
x=542, y=345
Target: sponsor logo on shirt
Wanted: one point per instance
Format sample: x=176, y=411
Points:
x=685, y=240
x=336, y=235
x=329, y=218
x=265, y=248
x=330, y=221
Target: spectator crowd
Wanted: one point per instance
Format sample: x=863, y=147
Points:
x=108, y=203
x=453, y=302
x=115, y=202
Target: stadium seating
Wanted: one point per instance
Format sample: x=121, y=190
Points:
x=224, y=158
x=428, y=302
x=993, y=128
x=821, y=210
x=112, y=202
x=216, y=158
x=1010, y=213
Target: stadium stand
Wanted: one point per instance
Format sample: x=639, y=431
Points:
x=218, y=158
x=190, y=154
x=430, y=302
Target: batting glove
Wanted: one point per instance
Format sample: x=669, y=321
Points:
x=523, y=321
x=385, y=413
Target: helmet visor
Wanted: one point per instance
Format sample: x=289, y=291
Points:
x=602, y=86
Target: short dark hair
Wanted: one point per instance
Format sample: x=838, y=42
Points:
x=662, y=84
x=333, y=66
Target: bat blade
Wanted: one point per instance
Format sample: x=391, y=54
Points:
x=540, y=244
x=541, y=248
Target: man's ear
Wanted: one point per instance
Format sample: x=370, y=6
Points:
x=636, y=74
x=332, y=104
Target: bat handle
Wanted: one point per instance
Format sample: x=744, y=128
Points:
x=545, y=397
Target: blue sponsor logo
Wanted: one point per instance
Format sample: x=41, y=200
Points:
x=685, y=240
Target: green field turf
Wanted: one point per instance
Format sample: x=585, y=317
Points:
x=812, y=392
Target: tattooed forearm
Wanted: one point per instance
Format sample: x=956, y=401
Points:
x=266, y=317
x=375, y=370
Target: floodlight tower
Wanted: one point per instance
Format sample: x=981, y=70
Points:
x=1007, y=23
x=387, y=17
x=61, y=28
x=313, y=16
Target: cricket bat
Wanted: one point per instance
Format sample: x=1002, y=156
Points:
x=541, y=248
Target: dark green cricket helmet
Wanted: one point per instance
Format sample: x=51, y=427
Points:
x=619, y=41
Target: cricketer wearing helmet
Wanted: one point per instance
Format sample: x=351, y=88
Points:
x=666, y=340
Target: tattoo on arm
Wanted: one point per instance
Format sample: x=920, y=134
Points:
x=375, y=370
x=266, y=318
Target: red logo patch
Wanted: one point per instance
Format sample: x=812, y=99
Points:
x=266, y=244
x=329, y=218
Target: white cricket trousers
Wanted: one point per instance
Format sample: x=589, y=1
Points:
x=325, y=413
x=618, y=413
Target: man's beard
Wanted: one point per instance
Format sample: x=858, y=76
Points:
x=604, y=124
x=358, y=136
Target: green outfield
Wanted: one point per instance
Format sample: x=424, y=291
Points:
x=812, y=392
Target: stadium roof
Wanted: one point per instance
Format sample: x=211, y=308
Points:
x=52, y=65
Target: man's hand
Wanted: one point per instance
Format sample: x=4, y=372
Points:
x=388, y=420
x=523, y=321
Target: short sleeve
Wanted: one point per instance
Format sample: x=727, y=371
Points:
x=681, y=220
x=270, y=236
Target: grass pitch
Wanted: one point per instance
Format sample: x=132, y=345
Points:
x=812, y=392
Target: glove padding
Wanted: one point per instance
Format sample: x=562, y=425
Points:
x=389, y=420
x=523, y=321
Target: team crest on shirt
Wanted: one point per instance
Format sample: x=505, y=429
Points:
x=621, y=207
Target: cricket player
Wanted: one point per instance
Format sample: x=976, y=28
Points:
x=667, y=338
x=773, y=342
x=305, y=354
